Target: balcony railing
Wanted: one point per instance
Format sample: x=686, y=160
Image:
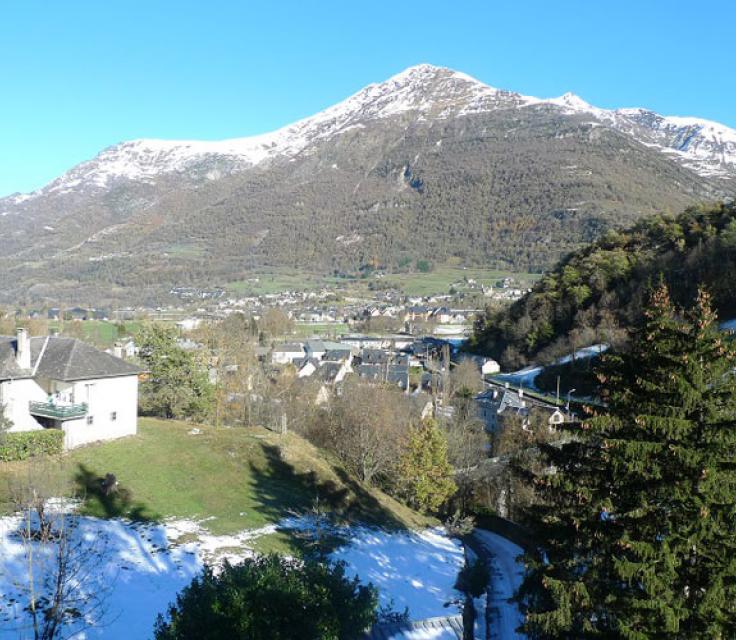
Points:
x=57, y=411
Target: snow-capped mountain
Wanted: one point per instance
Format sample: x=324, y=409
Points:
x=430, y=164
x=425, y=91
x=707, y=147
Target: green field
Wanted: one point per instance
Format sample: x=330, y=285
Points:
x=307, y=329
x=101, y=333
x=439, y=279
x=237, y=478
x=280, y=280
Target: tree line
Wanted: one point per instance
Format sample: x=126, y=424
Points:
x=598, y=293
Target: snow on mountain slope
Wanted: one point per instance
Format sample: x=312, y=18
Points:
x=425, y=91
x=709, y=148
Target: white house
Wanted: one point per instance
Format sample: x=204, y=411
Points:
x=189, y=324
x=489, y=367
x=62, y=383
x=287, y=353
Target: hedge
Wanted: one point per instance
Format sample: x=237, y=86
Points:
x=25, y=444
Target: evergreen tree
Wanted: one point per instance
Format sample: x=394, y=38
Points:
x=177, y=385
x=271, y=598
x=637, y=518
x=425, y=473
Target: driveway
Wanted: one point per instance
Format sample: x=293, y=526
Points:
x=502, y=616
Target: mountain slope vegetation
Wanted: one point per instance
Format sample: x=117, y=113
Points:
x=596, y=293
x=430, y=164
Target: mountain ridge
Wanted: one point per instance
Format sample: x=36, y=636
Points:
x=430, y=164
x=391, y=97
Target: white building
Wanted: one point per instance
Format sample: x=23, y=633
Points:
x=489, y=367
x=62, y=383
x=287, y=353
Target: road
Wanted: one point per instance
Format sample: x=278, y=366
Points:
x=506, y=574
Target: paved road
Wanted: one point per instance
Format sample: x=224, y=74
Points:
x=506, y=574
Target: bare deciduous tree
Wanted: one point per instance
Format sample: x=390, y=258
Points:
x=467, y=448
x=62, y=586
x=367, y=427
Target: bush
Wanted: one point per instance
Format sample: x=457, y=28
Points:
x=274, y=598
x=26, y=444
x=424, y=266
x=458, y=526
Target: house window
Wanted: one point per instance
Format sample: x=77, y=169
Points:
x=90, y=420
x=113, y=416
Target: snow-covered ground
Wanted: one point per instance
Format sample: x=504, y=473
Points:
x=137, y=564
x=525, y=377
x=141, y=567
x=410, y=569
x=506, y=577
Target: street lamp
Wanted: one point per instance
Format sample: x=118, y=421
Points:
x=569, y=393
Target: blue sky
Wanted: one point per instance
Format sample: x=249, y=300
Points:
x=77, y=76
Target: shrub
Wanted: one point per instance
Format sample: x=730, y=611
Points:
x=424, y=266
x=458, y=525
x=274, y=598
x=26, y=444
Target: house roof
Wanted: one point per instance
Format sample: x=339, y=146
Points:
x=391, y=373
x=289, y=347
x=374, y=356
x=62, y=359
x=328, y=371
x=503, y=399
x=337, y=355
x=326, y=345
x=72, y=359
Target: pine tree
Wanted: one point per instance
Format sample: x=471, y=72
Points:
x=637, y=519
x=177, y=385
x=425, y=474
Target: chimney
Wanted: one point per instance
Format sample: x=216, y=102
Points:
x=117, y=350
x=22, y=349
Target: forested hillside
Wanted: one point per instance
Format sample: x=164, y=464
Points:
x=429, y=165
x=595, y=294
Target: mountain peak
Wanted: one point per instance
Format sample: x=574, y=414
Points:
x=573, y=102
x=427, y=73
x=421, y=92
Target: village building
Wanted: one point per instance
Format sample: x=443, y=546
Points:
x=287, y=353
x=498, y=402
x=62, y=383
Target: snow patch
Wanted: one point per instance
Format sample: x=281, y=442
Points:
x=146, y=564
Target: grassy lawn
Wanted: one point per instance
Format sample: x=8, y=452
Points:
x=237, y=478
x=306, y=329
x=100, y=332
